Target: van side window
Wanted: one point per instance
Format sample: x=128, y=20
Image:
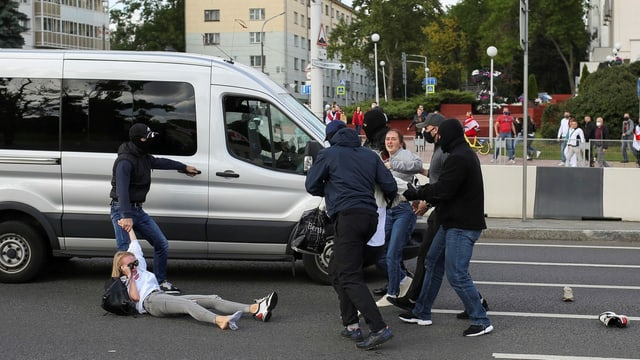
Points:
x=29, y=113
x=97, y=114
x=259, y=133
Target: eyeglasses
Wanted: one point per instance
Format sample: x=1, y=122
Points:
x=131, y=265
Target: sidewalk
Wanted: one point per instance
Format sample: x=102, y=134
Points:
x=549, y=229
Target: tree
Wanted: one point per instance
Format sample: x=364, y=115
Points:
x=445, y=50
x=532, y=88
x=10, y=25
x=397, y=22
x=148, y=25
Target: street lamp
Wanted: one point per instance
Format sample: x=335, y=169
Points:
x=492, y=51
x=375, y=38
x=384, y=81
x=262, y=38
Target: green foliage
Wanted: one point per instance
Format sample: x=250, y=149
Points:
x=160, y=27
x=532, y=88
x=10, y=28
x=585, y=74
x=608, y=93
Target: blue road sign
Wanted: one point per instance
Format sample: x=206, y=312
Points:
x=305, y=89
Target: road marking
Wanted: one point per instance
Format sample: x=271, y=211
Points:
x=586, y=286
x=551, y=357
x=534, y=315
x=536, y=263
x=563, y=246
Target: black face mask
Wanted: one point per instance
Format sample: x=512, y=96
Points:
x=144, y=146
x=429, y=138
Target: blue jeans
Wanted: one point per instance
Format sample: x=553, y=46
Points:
x=451, y=251
x=563, y=146
x=145, y=226
x=400, y=222
x=508, y=137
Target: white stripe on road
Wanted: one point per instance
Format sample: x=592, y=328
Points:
x=551, y=357
x=587, y=286
x=534, y=315
x=536, y=263
x=563, y=246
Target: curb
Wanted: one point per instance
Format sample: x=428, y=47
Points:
x=562, y=234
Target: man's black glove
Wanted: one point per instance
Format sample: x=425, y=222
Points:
x=411, y=193
x=389, y=203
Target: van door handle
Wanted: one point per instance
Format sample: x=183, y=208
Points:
x=228, y=174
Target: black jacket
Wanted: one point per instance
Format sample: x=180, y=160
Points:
x=459, y=193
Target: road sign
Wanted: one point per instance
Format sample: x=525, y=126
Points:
x=638, y=87
x=305, y=89
x=341, y=90
x=431, y=89
x=328, y=65
x=322, y=37
x=432, y=81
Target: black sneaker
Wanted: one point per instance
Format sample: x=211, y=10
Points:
x=464, y=315
x=375, y=339
x=265, y=307
x=355, y=335
x=168, y=288
x=402, y=302
x=477, y=330
x=380, y=290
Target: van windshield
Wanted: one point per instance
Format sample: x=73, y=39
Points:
x=304, y=114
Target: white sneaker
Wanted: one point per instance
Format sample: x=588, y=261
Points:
x=493, y=160
x=404, y=285
x=561, y=164
x=538, y=152
x=512, y=161
x=383, y=301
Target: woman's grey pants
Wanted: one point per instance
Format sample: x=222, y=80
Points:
x=161, y=305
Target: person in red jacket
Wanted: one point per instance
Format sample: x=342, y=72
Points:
x=358, y=119
x=471, y=126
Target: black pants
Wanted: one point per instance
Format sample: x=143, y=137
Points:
x=418, y=277
x=353, y=228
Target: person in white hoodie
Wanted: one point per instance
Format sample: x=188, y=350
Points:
x=131, y=267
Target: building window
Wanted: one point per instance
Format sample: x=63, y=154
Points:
x=303, y=64
x=257, y=60
x=211, y=39
x=296, y=41
x=326, y=10
x=212, y=15
x=303, y=43
x=302, y=20
x=255, y=37
x=296, y=64
x=295, y=17
x=256, y=14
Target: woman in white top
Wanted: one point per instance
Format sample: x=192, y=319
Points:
x=145, y=291
x=575, y=138
x=636, y=143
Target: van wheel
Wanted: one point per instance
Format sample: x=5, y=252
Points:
x=317, y=266
x=22, y=252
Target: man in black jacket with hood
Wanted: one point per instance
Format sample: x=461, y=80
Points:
x=346, y=175
x=459, y=196
x=130, y=183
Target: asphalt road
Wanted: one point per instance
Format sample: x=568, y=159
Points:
x=58, y=316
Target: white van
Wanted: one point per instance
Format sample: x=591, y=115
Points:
x=63, y=115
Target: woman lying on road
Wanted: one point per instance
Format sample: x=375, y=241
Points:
x=146, y=293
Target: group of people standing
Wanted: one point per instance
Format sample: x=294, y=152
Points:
x=592, y=137
x=384, y=193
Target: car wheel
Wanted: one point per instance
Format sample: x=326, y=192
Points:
x=317, y=266
x=22, y=252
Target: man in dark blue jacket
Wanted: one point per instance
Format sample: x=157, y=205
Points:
x=346, y=175
x=459, y=196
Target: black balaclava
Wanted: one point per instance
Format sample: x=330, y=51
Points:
x=451, y=133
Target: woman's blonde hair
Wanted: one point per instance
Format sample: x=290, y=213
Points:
x=117, y=261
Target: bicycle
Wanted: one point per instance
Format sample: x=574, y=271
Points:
x=479, y=145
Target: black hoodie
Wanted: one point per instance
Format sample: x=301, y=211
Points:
x=459, y=193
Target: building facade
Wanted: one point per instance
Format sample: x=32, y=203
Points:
x=66, y=24
x=274, y=37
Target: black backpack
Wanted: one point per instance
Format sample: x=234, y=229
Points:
x=116, y=298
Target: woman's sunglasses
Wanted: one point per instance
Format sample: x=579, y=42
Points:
x=131, y=265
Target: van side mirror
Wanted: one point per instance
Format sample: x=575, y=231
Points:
x=310, y=152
